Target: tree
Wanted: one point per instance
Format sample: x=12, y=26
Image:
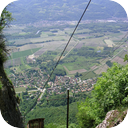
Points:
x=126, y=58
x=77, y=74
x=8, y=99
x=5, y=19
x=109, y=63
x=110, y=92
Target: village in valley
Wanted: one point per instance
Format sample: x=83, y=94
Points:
x=35, y=81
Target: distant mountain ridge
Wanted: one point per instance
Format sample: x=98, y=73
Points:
x=25, y=11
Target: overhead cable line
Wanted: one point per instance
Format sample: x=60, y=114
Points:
x=68, y=42
x=63, y=50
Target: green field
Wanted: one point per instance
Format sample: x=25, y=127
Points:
x=88, y=75
x=79, y=62
x=24, y=33
x=20, y=89
x=24, y=65
x=23, y=53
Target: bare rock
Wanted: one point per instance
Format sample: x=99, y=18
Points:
x=104, y=124
x=113, y=118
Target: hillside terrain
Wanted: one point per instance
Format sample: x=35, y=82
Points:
x=34, y=52
x=25, y=11
x=36, y=40
x=109, y=98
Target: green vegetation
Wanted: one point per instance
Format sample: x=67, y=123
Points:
x=126, y=58
x=5, y=18
x=78, y=74
x=8, y=100
x=23, y=53
x=54, y=111
x=88, y=75
x=48, y=65
x=20, y=89
x=1, y=85
x=110, y=92
x=25, y=104
x=64, y=11
x=86, y=50
x=83, y=56
x=54, y=125
x=54, y=114
x=109, y=63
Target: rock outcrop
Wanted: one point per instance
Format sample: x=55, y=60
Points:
x=113, y=118
x=9, y=102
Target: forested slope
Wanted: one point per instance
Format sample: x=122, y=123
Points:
x=110, y=93
x=25, y=11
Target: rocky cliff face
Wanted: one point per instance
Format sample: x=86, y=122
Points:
x=8, y=102
x=113, y=118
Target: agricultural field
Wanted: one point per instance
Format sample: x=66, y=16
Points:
x=36, y=41
x=13, y=62
x=30, y=46
x=101, y=69
x=119, y=60
x=109, y=43
x=20, y=89
x=88, y=75
x=74, y=71
x=23, y=53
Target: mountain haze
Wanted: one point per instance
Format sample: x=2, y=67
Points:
x=25, y=11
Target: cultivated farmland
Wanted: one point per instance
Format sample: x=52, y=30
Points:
x=37, y=41
x=23, y=53
x=109, y=43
